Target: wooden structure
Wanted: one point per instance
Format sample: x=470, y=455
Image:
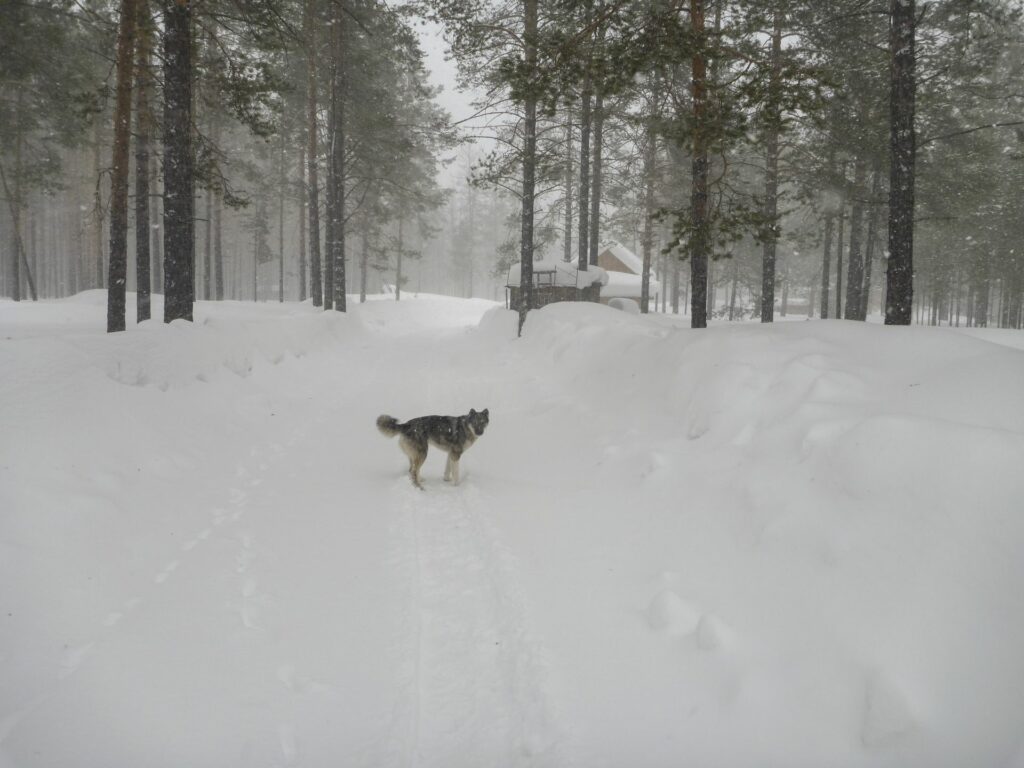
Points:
x=555, y=281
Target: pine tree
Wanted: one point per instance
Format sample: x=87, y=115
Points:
x=179, y=163
x=118, y=275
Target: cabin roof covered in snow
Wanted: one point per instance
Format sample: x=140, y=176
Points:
x=630, y=260
x=563, y=274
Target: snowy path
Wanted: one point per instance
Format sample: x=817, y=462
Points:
x=474, y=697
x=796, y=545
x=291, y=600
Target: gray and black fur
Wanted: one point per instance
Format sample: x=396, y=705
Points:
x=453, y=434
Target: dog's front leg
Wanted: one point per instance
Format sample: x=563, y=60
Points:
x=448, y=469
x=454, y=461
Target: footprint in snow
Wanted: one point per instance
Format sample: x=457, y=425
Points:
x=170, y=568
x=249, y=587
x=713, y=633
x=289, y=744
x=297, y=684
x=670, y=614
x=244, y=558
x=72, y=659
x=887, y=714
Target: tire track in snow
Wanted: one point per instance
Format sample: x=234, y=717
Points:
x=475, y=689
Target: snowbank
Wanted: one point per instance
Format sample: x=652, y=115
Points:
x=797, y=544
x=626, y=286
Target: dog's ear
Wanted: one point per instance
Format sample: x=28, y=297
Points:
x=484, y=412
x=472, y=412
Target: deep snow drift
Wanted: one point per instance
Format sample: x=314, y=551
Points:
x=796, y=545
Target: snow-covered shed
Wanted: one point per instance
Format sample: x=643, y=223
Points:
x=557, y=280
x=625, y=273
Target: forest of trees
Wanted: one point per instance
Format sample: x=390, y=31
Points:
x=836, y=159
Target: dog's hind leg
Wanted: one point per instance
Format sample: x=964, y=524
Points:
x=417, y=455
x=414, y=471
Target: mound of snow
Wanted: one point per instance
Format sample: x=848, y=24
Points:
x=669, y=613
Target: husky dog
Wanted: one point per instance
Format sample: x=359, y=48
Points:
x=453, y=434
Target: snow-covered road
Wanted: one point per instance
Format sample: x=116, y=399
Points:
x=795, y=546
x=287, y=598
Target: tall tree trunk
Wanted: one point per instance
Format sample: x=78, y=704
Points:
x=179, y=176
x=784, y=308
x=869, y=249
x=336, y=168
x=567, y=237
x=98, y=215
x=329, y=205
x=14, y=289
x=156, y=227
x=33, y=240
x=595, y=198
x=583, y=232
x=676, y=277
x=14, y=203
x=529, y=163
x=855, y=259
x=826, y=265
x=711, y=288
x=732, y=294
x=315, y=277
x=302, y=223
x=471, y=239
x=364, y=260
x=218, y=225
x=398, y=259
x=839, y=256
x=280, y=224
x=650, y=157
x=772, y=119
x=813, y=300
x=583, y=226
x=663, y=271
x=700, y=244
x=117, y=278
x=208, y=245
x=902, y=144
x=218, y=245
x=255, y=263
x=143, y=127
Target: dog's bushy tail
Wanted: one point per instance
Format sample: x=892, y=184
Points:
x=388, y=425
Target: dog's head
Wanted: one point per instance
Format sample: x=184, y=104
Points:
x=478, y=420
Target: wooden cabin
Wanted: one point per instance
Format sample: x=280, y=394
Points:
x=554, y=281
x=625, y=274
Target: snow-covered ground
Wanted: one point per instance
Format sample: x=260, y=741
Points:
x=795, y=545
